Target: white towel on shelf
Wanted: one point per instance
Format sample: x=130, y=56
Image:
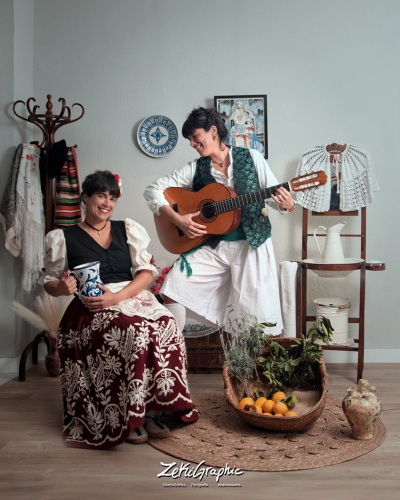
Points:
x=288, y=272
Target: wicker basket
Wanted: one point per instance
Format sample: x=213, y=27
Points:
x=234, y=392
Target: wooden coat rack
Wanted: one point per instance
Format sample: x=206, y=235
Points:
x=48, y=124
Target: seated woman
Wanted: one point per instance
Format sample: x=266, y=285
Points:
x=122, y=354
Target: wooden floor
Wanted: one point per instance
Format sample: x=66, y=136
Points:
x=35, y=464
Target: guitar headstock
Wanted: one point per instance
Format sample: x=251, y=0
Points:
x=308, y=181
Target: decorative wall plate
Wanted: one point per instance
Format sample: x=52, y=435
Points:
x=157, y=136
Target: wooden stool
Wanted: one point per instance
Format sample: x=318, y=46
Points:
x=205, y=354
x=33, y=346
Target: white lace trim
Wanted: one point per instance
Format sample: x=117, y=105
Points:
x=145, y=304
x=357, y=184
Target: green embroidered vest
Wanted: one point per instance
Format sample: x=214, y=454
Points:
x=257, y=228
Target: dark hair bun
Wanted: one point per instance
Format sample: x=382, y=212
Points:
x=205, y=118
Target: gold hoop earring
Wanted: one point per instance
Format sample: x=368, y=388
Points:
x=214, y=137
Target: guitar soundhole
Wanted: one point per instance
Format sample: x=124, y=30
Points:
x=207, y=211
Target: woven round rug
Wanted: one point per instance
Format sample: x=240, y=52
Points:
x=220, y=436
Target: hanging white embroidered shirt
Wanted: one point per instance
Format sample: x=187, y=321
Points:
x=22, y=213
x=357, y=182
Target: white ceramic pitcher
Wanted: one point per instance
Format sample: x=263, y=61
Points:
x=333, y=252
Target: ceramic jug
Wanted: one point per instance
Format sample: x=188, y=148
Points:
x=361, y=408
x=333, y=252
x=88, y=277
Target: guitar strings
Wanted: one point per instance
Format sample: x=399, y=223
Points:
x=233, y=203
x=210, y=210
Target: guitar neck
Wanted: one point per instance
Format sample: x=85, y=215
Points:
x=248, y=198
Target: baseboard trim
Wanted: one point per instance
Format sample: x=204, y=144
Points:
x=370, y=356
x=11, y=365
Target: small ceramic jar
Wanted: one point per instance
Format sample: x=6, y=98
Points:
x=361, y=408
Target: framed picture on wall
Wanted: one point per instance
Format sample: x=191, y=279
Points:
x=245, y=117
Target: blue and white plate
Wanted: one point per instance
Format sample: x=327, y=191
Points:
x=157, y=136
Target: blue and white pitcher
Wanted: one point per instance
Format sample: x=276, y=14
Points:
x=88, y=277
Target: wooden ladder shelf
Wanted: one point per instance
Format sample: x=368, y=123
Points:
x=362, y=266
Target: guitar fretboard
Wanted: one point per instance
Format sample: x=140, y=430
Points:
x=212, y=209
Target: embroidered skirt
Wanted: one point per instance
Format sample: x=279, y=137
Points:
x=114, y=368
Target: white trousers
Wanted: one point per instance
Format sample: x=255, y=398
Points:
x=233, y=274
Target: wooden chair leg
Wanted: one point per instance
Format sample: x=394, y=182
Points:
x=35, y=352
x=32, y=346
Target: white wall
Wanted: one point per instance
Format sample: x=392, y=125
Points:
x=330, y=72
x=6, y=143
x=16, y=80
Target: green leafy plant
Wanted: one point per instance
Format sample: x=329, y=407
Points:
x=290, y=368
x=283, y=368
x=243, y=350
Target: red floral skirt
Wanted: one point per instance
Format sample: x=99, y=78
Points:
x=114, y=368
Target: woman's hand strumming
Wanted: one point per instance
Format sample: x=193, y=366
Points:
x=186, y=224
x=190, y=228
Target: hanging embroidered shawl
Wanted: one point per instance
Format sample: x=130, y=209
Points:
x=257, y=227
x=68, y=210
x=22, y=215
x=357, y=179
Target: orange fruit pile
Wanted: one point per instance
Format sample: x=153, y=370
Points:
x=273, y=407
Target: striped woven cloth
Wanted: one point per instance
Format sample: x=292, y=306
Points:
x=67, y=209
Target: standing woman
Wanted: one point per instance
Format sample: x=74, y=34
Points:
x=240, y=267
x=121, y=353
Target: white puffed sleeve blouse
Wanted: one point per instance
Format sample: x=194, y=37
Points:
x=144, y=304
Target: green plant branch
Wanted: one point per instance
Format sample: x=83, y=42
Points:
x=282, y=368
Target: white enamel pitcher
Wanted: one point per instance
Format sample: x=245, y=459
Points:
x=333, y=252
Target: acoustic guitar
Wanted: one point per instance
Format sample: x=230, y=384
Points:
x=220, y=209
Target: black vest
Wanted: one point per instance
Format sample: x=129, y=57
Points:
x=115, y=261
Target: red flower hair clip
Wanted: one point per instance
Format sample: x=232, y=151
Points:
x=118, y=179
